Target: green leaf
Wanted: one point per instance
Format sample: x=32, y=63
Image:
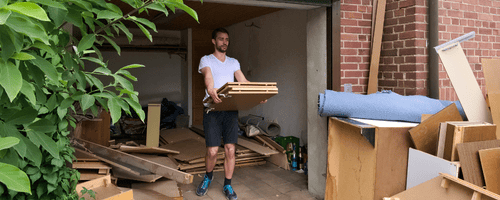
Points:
x=114, y=8
x=145, y=31
x=82, y=4
x=86, y=42
x=102, y=70
x=114, y=109
x=24, y=116
x=8, y=142
x=131, y=3
x=57, y=15
x=158, y=7
x=8, y=48
x=10, y=79
x=95, y=60
x=14, y=178
x=43, y=126
x=67, y=102
x=29, y=9
x=137, y=108
x=7, y=130
x=146, y=22
x=125, y=30
x=185, y=8
x=127, y=74
x=45, y=141
x=82, y=82
x=46, y=67
x=11, y=157
x=29, y=91
x=95, y=81
x=124, y=82
x=51, y=102
x=132, y=66
x=74, y=17
x=44, y=47
x=57, y=162
x=117, y=48
x=3, y=3
x=22, y=56
x=61, y=112
x=50, y=3
x=51, y=178
x=41, y=189
x=87, y=101
x=3, y=152
x=107, y=14
x=4, y=15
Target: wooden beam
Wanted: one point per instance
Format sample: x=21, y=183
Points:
x=376, y=46
x=135, y=161
x=255, y=147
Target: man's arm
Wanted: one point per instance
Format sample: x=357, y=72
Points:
x=209, y=83
x=240, y=77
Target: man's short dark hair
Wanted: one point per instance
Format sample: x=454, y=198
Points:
x=218, y=30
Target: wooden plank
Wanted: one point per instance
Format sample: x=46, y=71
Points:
x=241, y=101
x=425, y=135
x=273, y=143
x=423, y=167
x=491, y=71
x=179, y=134
x=135, y=161
x=148, y=150
x=168, y=188
x=104, y=190
x=462, y=132
x=89, y=165
x=105, y=131
x=111, y=162
x=162, y=160
x=376, y=47
x=153, y=125
x=442, y=139
x=464, y=82
x=255, y=147
x=84, y=157
x=264, y=142
x=432, y=190
x=279, y=160
x=490, y=163
x=86, y=175
x=189, y=149
x=469, y=160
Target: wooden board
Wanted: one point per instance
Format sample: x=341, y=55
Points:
x=148, y=150
x=89, y=165
x=86, y=175
x=425, y=135
x=490, y=163
x=491, y=71
x=84, y=157
x=441, y=139
x=122, y=174
x=464, y=82
x=376, y=47
x=241, y=101
x=162, y=160
x=188, y=149
x=255, y=147
x=179, y=134
x=135, y=161
x=276, y=146
x=463, y=132
x=469, y=160
x=423, y=167
x=153, y=125
x=168, y=188
x=456, y=189
x=279, y=160
x=104, y=190
x=111, y=162
x=151, y=195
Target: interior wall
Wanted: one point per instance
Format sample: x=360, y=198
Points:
x=161, y=78
x=272, y=48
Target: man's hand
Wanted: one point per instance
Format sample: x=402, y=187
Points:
x=213, y=93
x=264, y=101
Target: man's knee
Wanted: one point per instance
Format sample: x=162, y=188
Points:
x=230, y=150
x=212, y=152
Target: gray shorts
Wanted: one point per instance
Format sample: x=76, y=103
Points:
x=220, y=124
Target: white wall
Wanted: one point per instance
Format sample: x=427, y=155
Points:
x=276, y=52
x=161, y=78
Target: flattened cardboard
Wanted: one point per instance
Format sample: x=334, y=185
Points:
x=490, y=163
x=179, y=134
x=469, y=160
x=425, y=135
x=189, y=149
x=423, y=167
x=153, y=125
x=491, y=71
x=168, y=188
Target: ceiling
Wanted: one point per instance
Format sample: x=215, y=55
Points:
x=211, y=13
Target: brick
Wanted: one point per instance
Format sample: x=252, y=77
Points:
x=407, y=19
x=399, y=13
x=387, y=68
x=407, y=3
x=471, y=15
x=485, y=2
x=392, y=6
x=363, y=37
x=352, y=30
x=364, y=9
x=410, y=91
x=415, y=43
x=486, y=17
x=454, y=13
x=485, y=45
x=387, y=45
x=399, y=60
x=366, y=30
x=352, y=1
x=350, y=22
x=346, y=36
x=454, y=29
x=422, y=91
x=485, y=31
x=365, y=45
x=390, y=37
x=455, y=6
x=387, y=60
x=398, y=44
x=393, y=52
x=352, y=44
x=353, y=74
x=446, y=5
x=387, y=83
x=408, y=51
x=399, y=28
x=455, y=21
x=408, y=67
x=446, y=20
x=422, y=75
x=348, y=51
x=364, y=52
x=364, y=23
x=399, y=91
x=398, y=75
x=347, y=7
x=407, y=35
x=409, y=84
x=353, y=15
x=390, y=22
x=352, y=59
x=348, y=66
x=367, y=16
x=349, y=80
x=363, y=81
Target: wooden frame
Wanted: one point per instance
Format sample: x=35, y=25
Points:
x=104, y=190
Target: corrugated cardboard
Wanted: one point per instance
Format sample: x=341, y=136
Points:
x=153, y=126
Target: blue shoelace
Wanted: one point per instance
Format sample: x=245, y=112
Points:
x=205, y=182
x=228, y=187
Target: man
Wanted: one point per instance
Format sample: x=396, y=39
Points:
x=217, y=70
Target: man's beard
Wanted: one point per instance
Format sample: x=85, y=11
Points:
x=219, y=48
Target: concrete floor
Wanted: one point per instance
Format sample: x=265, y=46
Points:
x=255, y=182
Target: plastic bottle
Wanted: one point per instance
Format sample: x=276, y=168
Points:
x=294, y=159
x=301, y=160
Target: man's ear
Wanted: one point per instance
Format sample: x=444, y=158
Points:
x=213, y=41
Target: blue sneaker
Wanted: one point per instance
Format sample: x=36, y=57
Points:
x=203, y=187
x=229, y=192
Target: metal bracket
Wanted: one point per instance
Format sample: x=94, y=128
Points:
x=367, y=130
x=455, y=41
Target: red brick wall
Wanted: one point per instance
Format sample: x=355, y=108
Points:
x=458, y=17
x=403, y=62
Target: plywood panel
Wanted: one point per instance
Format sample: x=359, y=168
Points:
x=256, y=147
x=469, y=160
x=189, y=149
x=148, y=150
x=425, y=135
x=490, y=163
x=491, y=71
x=179, y=134
x=466, y=132
x=241, y=101
x=464, y=82
x=153, y=125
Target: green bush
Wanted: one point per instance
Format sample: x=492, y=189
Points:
x=42, y=76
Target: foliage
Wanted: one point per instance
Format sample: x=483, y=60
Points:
x=42, y=77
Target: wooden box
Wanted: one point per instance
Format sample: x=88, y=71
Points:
x=367, y=159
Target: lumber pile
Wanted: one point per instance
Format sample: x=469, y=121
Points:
x=242, y=95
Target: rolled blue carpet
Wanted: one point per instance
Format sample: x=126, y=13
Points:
x=385, y=105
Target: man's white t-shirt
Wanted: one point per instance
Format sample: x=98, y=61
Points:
x=222, y=72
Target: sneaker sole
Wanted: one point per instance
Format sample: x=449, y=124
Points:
x=228, y=197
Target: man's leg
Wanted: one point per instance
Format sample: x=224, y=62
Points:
x=211, y=158
x=213, y=134
x=229, y=161
x=230, y=136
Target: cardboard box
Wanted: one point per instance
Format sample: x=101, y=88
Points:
x=153, y=125
x=367, y=159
